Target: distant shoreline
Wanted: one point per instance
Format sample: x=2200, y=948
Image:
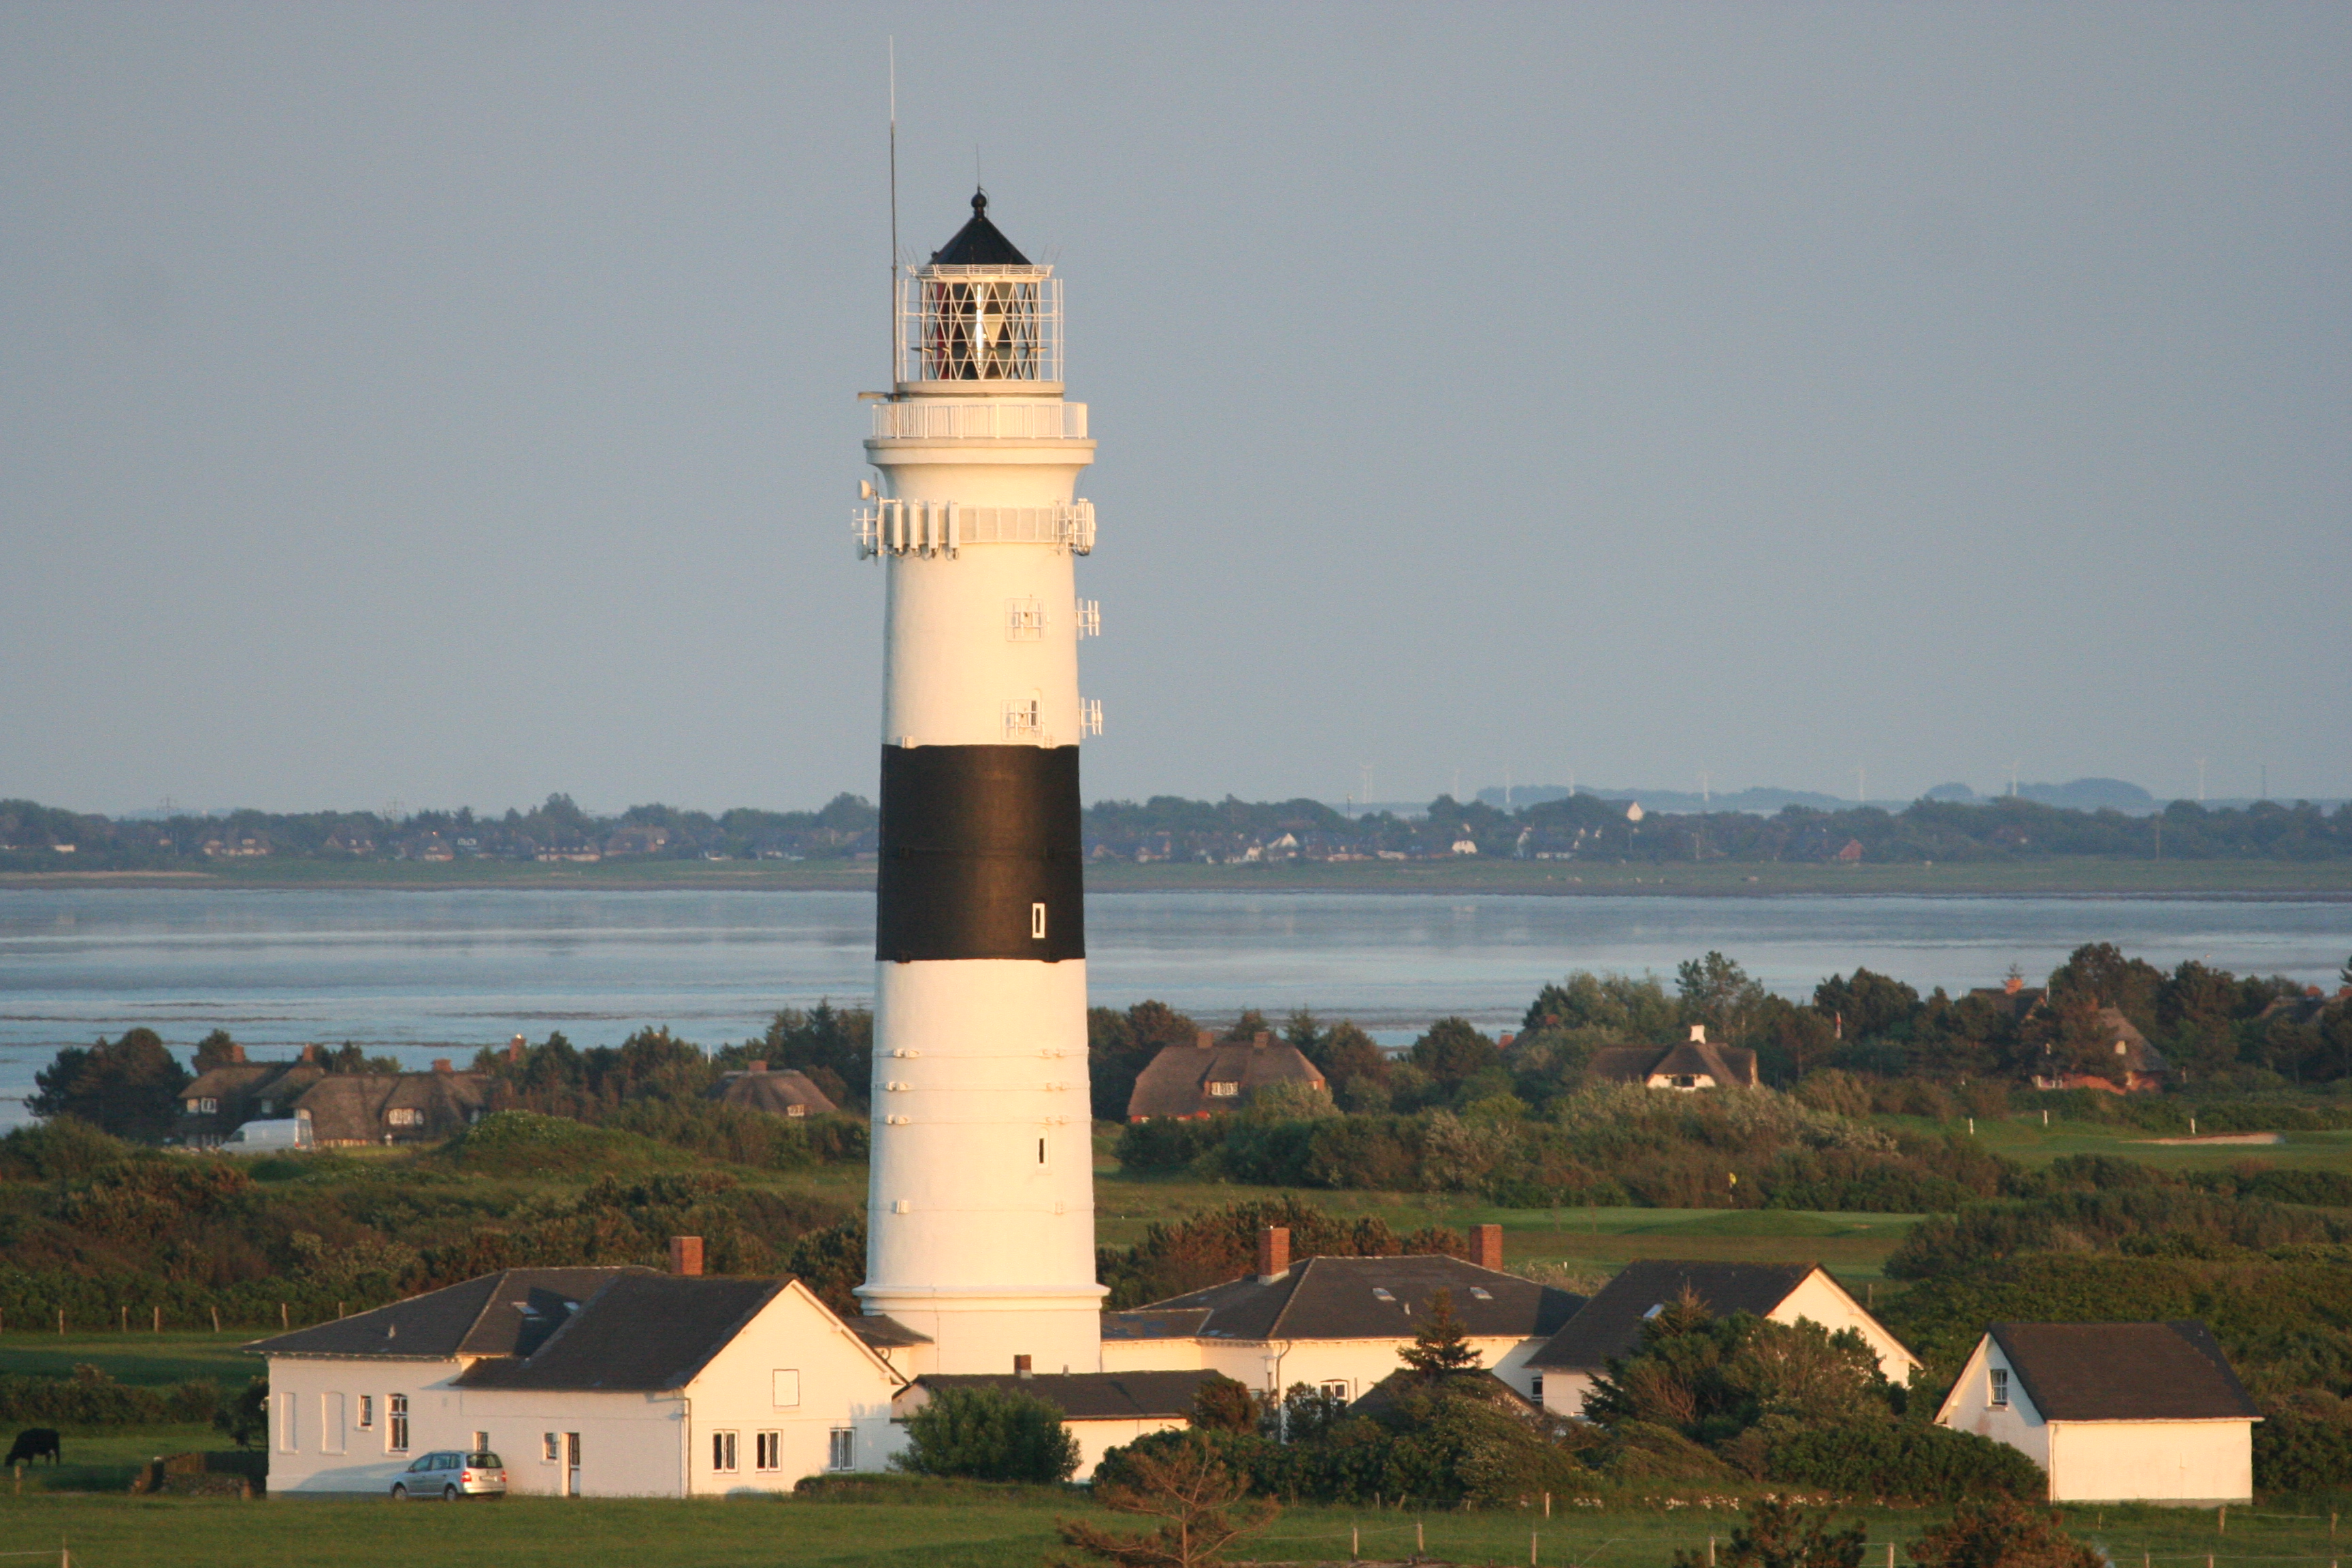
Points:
x=2081, y=878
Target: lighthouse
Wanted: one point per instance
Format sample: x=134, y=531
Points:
x=981, y=1220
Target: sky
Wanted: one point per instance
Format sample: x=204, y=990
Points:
x=452, y=405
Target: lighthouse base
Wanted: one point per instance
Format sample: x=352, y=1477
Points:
x=1059, y=1329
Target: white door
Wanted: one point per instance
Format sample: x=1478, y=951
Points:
x=572, y=1464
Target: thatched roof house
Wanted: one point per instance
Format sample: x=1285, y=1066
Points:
x=779, y=1092
x=1211, y=1076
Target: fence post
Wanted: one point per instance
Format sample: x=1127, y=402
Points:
x=1710, y=1551
x=1547, y=1505
x=283, y=1322
x=126, y=1316
x=1420, y=1540
x=61, y=1322
x=1531, y=1549
x=1354, y=1544
x=159, y=1320
x=216, y=1320
x=2222, y=1519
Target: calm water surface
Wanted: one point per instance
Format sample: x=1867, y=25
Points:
x=425, y=974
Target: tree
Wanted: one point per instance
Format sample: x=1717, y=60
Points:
x=1187, y=1488
x=216, y=1050
x=990, y=1435
x=1441, y=1346
x=245, y=1414
x=1866, y=1006
x=1776, y=1534
x=1717, y=992
x=1998, y=1533
x=1453, y=1049
x=1224, y=1405
x=130, y=1087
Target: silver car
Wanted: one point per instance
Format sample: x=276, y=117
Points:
x=450, y=1476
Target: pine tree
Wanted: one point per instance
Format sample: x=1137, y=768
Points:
x=1441, y=1347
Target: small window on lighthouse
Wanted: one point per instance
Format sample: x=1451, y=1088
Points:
x=1040, y=1151
x=1037, y=922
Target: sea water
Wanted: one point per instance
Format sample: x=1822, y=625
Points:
x=422, y=974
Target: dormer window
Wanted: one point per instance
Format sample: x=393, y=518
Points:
x=1219, y=1089
x=1380, y=1295
x=405, y=1116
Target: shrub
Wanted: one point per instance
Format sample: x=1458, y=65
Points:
x=89, y=1398
x=1163, y=1144
x=2303, y=1450
x=990, y=1435
x=1909, y=1461
x=1998, y=1533
x=1773, y=1533
x=524, y=1142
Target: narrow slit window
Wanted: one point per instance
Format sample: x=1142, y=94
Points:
x=1037, y=922
x=1040, y=1151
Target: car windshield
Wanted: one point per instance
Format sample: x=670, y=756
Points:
x=484, y=1461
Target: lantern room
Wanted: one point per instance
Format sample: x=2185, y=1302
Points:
x=978, y=317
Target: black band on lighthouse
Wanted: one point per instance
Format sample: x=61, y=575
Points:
x=981, y=854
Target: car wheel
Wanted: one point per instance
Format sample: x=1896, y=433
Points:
x=449, y=1493
x=399, y=1493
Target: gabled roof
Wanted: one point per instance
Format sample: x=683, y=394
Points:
x=978, y=243
x=507, y=1314
x=1392, y=1390
x=1175, y=1082
x=1092, y=1396
x=1371, y=1299
x=1610, y=1325
x=2124, y=1371
x=643, y=1331
x=883, y=1331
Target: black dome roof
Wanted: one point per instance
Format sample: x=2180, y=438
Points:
x=978, y=243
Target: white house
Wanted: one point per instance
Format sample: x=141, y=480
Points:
x=1101, y=1409
x=1336, y=1323
x=586, y=1382
x=1609, y=1326
x=2113, y=1412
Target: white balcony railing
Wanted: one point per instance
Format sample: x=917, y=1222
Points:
x=893, y=527
x=988, y=419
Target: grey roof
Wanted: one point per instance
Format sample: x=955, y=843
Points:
x=1610, y=1325
x=1093, y=1396
x=2124, y=1371
x=885, y=1332
x=507, y=1314
x=1176, y=1081
x=1145, y=1323
x=643, y=1331
x=775, y=1090
x=978, y=243
x=1390, y=1391
x=1727, y=1065
x=1371, y=1299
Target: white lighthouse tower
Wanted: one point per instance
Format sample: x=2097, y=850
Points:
x=980, y=1212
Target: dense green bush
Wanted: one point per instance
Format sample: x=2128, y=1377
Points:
x=91, y=1398
x=990, y=1435
x=1910, y=1460
x=524, y=1142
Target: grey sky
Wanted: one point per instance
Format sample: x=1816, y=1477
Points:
x=455, y=405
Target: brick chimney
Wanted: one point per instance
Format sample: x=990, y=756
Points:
x=2012, y=985
x=1021, y=1366
x=310, y=1053
x=236, y=1052
x=686, y=1255
x=1486, y=1246
x=514, y=1049
x=755, y=1066
x=441, y=1064
x=1273, y=1253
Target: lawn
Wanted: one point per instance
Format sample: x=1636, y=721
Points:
x=968, y=1532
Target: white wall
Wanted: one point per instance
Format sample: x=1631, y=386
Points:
x=320, y=1459
x=1821, y=1299
x=2152, y=1461
x=1152, y=1355
x=838, y=1383
x=1970, y=1408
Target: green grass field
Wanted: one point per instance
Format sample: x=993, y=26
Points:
x=961, y=1531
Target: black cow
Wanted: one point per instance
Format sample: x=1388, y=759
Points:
x=32, y=1443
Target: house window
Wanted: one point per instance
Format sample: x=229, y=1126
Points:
x=1336, y=1389
x=784, y=1385
x=2001, y=1388
x=287, y=1443
x=367, y=1412
x=768, y=1450
x=795, y=1111
x=1535, y=1388
x=1219, y=1091
x=396, y=1417
x=405, y=1116
x=207, y=1105
x=841, y=1448
x=722, y=1452
x=551, y=1447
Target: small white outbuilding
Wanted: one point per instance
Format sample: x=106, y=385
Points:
x=2113, y=1412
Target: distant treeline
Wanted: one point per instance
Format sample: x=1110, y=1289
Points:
x=36, y=837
